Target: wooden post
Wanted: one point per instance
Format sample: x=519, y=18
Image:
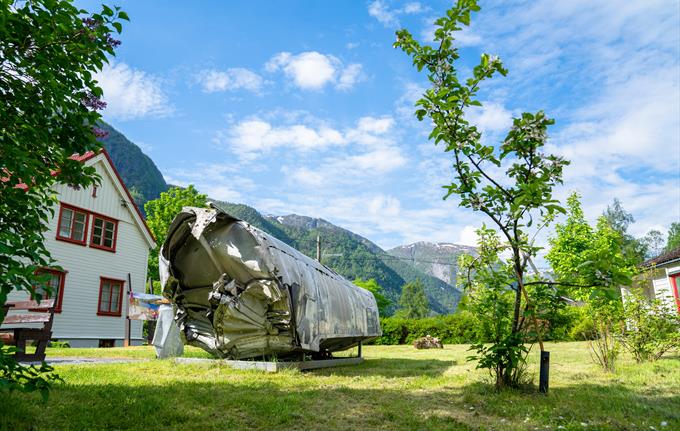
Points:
x=359, y=352
x=126, y=341
x=318, y=248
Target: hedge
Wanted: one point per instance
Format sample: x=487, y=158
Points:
x=463, y=327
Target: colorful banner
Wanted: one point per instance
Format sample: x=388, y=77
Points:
x=144, y=306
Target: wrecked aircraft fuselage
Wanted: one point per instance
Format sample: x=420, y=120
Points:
x=240, y=293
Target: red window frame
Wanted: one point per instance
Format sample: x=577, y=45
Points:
x=60, y=293
x=85, y=229
x=674, y=287
x=105, y=219
x=111, y=281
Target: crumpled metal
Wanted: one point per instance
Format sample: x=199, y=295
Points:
x=240, y=293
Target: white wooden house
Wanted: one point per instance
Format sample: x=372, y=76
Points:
x=665, y=279
x=101, y=241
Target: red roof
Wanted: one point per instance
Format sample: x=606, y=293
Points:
x=84, y=157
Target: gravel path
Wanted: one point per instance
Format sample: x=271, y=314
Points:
x=75, y=360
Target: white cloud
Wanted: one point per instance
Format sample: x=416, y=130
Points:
x=312, y=70
x=464, y=37
x=490, y=118
x=413, y=8
x=349, y=76
x=390, y=17
x=380, y=11
x=250, y=138
x=304, y=176
x=132, y=93
x=378, y=161
x=229, y=80
x=218, y=181
x=378, y=126
x=468, y=236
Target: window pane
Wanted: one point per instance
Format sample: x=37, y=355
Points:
x=65, y=223
x=108, y=242
x=97, y=231
x=106, y=296
x=115, y=296
x=79, y=227
x=55, y=284
x=109, y=229
x=97, y=235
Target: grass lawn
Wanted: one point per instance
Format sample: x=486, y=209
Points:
x=397, y=387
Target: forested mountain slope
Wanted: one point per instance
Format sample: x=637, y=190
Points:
x=139, y=172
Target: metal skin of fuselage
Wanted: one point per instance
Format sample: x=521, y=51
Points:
x=240, y=293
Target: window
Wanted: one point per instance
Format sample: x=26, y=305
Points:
x=53, y=279
x=104, y=232
x=72, y=224
x=110, y=297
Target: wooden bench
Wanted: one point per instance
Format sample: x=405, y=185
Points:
x=42, y=312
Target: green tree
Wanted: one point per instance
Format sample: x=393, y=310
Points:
x=49, y=54
x=591, y=265
x=378, y=293
x=653, y=243
x=619, y=219
x=413, y=302
x=589, y=262
x=160, y=213
x=673, y=240
x=511, y=184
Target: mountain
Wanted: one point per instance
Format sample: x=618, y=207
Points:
x=439, y=260
x=139, y=172
x=347, y=253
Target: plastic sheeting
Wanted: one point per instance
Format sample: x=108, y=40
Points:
x=166, y=338
x=241, y=293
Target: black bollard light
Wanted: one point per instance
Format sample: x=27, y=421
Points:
x=544, y=377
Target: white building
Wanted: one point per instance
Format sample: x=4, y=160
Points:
x=100, y=240
x=665, y=278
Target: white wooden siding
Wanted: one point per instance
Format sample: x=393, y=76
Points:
x=85, y=265
x=662, y=290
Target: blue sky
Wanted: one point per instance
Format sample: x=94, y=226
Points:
x=305, y=107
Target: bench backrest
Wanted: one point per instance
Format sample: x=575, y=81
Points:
x=41, y=312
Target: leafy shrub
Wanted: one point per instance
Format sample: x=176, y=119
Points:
x=463, y=327
x=24, y=378
x=653, y=327
x=583, y=328
x=455, y=328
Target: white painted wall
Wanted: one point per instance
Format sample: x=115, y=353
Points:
x=78, y=320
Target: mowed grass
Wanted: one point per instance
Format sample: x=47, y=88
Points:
x=397, y=387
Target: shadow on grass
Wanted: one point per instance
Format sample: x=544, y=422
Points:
x=226, y=405
x=391, y=367
x=251, y=400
